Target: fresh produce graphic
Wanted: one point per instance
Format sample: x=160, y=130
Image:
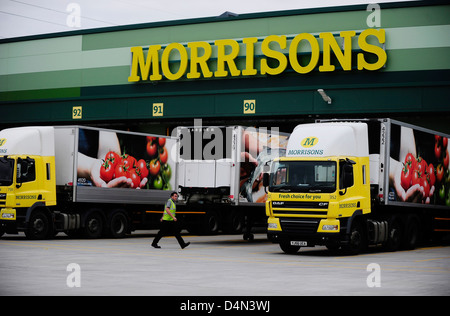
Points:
x=428, y=170
x=158, y=167
x=442, y=178
x=131, y=161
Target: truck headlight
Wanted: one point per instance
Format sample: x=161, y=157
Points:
x=330, y=227
x=272, y=226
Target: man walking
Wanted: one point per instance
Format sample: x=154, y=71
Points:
x=169, y=225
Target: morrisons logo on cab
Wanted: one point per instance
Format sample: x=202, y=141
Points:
x=2, y=142
x=309, y=142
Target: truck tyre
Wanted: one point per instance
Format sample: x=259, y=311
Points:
x=210, y=225
x=234, y=223
x=411, y=235
x=287, y=248
x=38, y=226
x=93, y=226
x=357, y=241
x=118, y=225
x=394, y=237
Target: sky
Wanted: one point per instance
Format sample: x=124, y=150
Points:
x=31, y=17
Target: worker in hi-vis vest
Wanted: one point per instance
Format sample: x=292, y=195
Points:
x=169, y=224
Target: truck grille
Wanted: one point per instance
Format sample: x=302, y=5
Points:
x=289, y=204
x=304, y=226
x=299, y=208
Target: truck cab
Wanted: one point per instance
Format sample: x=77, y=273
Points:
x=319, y=191
x=27, y=178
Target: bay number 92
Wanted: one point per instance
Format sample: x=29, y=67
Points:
x=77, y=112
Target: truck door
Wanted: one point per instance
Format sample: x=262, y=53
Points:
x=27, y=188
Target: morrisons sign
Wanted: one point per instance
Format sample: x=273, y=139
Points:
x=252, y=56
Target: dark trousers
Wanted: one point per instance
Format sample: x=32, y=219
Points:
x=169, y=228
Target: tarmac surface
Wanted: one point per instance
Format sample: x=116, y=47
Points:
x=222, y=265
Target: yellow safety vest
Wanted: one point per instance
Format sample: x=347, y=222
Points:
x=173, y=208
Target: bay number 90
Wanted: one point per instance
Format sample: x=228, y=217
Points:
x=249, y=106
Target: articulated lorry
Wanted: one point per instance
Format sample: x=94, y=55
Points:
x=220, y=176
x=83, y=181
x=354, y=183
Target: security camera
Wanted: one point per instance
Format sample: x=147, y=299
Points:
x=325, y=97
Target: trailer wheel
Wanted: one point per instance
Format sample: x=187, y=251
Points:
x=38, y=226
x=210, y=224
x=118, y=224
x=394, y=237
x=411, y=235
x=287, y=248
x=93, y=226
x=234, y=223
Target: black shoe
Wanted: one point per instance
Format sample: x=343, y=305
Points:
x=185, y=245
x=156, y=246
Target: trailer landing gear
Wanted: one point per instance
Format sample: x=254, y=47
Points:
x=248, y=236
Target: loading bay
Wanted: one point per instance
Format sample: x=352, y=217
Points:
x=221, y=265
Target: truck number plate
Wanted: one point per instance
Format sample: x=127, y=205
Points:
x=299, y=243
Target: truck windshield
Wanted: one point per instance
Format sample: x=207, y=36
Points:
x=303, y=176
x=6, y=171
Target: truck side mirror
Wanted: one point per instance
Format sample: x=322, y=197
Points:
x=346, y=175
x=266, y=178
x=19, y=173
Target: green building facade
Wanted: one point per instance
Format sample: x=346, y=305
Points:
x=264, y=69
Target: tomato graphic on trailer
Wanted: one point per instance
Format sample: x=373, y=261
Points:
x=124, y=160
x=423, y=159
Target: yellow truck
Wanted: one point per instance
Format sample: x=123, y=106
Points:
x=83, y=181
x=354, y=183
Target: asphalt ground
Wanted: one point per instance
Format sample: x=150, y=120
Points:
x=213, y=266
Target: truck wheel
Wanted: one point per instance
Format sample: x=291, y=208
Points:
x=118, y=225
x=234, y=223
x=211, y=223
x=93, y=226
x=287, y=248
x=394, y=237
x=411, y=233
x=357, y=241
x=38, y=226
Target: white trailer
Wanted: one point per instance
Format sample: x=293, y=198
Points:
x=220, y=175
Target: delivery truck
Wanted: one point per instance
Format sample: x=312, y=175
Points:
x=354, y=183
x=220, y=176
x=84, y=181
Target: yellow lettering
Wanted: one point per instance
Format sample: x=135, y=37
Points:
x=223, y=58
x=330, y=43
x=201, y=61
x=315, y=53
x=165, y=61
x=250, y=56
x=276, y=56
x=144, y=66
x=379, y=51
x=282, y=59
